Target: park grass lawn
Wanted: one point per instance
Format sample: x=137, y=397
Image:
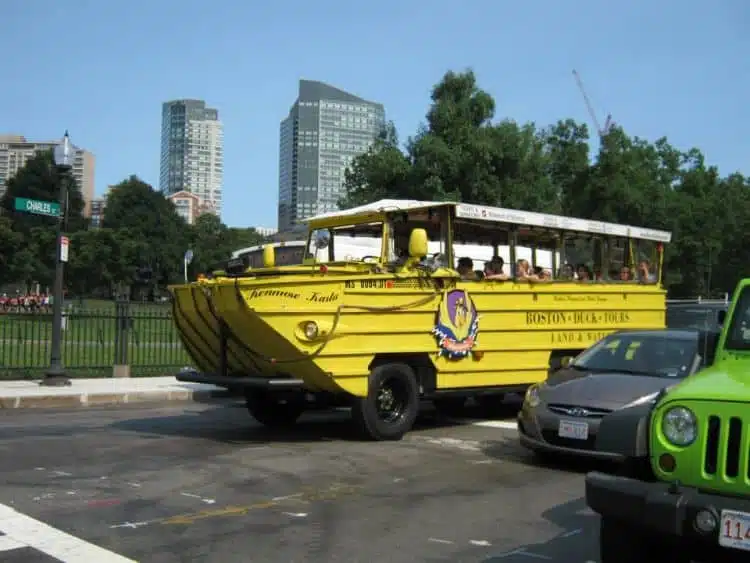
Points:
x=89, y=341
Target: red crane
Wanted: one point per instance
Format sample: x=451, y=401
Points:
x=607, y=124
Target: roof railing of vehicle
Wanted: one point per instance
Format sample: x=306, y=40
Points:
x=699, y=300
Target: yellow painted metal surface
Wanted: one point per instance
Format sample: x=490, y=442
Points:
x=498, y=333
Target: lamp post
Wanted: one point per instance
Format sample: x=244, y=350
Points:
x=55, y=376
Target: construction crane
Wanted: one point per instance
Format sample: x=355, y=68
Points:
x=607, y=124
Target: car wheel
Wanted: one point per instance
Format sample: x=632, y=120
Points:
x=622, y=543
x=391, y=405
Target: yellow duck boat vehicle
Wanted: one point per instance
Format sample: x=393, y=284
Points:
x=400, y=301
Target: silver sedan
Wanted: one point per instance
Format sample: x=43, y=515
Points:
x=624, y=369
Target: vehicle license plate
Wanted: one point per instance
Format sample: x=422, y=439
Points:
x=735, y=530
x=572, y=429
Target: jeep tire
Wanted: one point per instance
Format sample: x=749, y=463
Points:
x=623, y=543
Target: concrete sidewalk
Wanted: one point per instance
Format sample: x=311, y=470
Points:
x=105, y=391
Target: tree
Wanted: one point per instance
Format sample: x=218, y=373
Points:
x=135, y=208
x=40, y=179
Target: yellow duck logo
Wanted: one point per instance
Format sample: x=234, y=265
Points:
x=457, y=325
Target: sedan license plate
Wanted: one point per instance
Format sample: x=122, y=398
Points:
x=573, y=429
x=735, y=530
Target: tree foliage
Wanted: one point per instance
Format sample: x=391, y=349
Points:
x=462, y=153
x=141, y=243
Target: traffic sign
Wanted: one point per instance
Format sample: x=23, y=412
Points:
x=38, y=207
x=64, y=246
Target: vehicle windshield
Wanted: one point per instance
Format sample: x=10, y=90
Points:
x=656, y=355
x=345, y=244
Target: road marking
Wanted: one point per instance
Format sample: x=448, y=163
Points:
x=6, y=544
x=438, y=540
x=506, y=424
x=483, y=543
x=55, y=543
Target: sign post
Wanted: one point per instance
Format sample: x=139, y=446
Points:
x=188, y=258
x=56, y=376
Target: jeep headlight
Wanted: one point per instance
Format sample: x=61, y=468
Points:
x=532, y=397
x=679, y=426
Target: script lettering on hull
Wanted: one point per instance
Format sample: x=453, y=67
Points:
x=314, y=297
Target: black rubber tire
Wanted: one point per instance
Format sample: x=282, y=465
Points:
x=621, y=543
x=490, y=405
x=452, y=407
x=365, y=409
x=274, y=410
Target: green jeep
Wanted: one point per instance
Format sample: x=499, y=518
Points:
x=683, y=493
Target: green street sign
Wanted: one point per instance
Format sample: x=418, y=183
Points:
x=38, y=207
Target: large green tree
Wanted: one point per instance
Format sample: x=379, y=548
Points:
x=136, y=210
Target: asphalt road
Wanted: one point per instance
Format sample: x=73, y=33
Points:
x=205, y=483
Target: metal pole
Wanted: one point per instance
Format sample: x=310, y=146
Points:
x=55, y=376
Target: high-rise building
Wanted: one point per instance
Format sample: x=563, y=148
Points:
x=16, y=150
x=325, y=129
x=192, y=152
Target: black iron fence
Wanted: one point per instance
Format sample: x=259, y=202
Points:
x=94, y=340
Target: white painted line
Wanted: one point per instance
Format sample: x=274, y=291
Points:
x=483, y=543
x=55, y=543
x=6, y=544
x=506, y=424
x=438, y=540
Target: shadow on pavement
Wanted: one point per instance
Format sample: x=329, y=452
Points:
x=578, y=541
x=231, y=423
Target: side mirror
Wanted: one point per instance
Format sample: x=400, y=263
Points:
x=722, y=317
x=269, y=256
x=418, y=244
x=566, y=361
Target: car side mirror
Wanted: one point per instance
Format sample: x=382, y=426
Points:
x=722, y=317
x=566, y=361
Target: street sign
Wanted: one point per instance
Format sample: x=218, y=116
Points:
x=64, y=245
x=189, y=256
x=38, y=207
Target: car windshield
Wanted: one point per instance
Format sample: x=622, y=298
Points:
x=656, y=355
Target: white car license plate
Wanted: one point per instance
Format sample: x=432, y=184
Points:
x=573, y=429
x=735, y=530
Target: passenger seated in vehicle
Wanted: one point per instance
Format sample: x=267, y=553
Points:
x=644, y=272
x=493, y=270
x=465, y=268
x=584, y=273
x=523, y=271
x=566, y=272
x=625, y=274
x=542, y=274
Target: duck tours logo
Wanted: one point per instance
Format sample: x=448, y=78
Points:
x=457, y=325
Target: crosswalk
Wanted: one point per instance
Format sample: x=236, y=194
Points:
x=23, y=538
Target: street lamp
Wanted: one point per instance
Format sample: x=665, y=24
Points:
x=55, y=376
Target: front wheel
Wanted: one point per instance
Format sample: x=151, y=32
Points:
x=274, y=409
x=620, y=543
x=391, y=405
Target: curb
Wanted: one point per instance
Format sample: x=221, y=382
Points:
x=80, y=400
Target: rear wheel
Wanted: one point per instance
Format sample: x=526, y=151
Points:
x=491, y=405
x=391, y=405
x=454, y=407
x=274, y=409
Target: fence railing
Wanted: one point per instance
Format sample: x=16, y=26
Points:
x=94, y=340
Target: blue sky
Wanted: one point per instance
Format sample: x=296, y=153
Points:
x=102, y=68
